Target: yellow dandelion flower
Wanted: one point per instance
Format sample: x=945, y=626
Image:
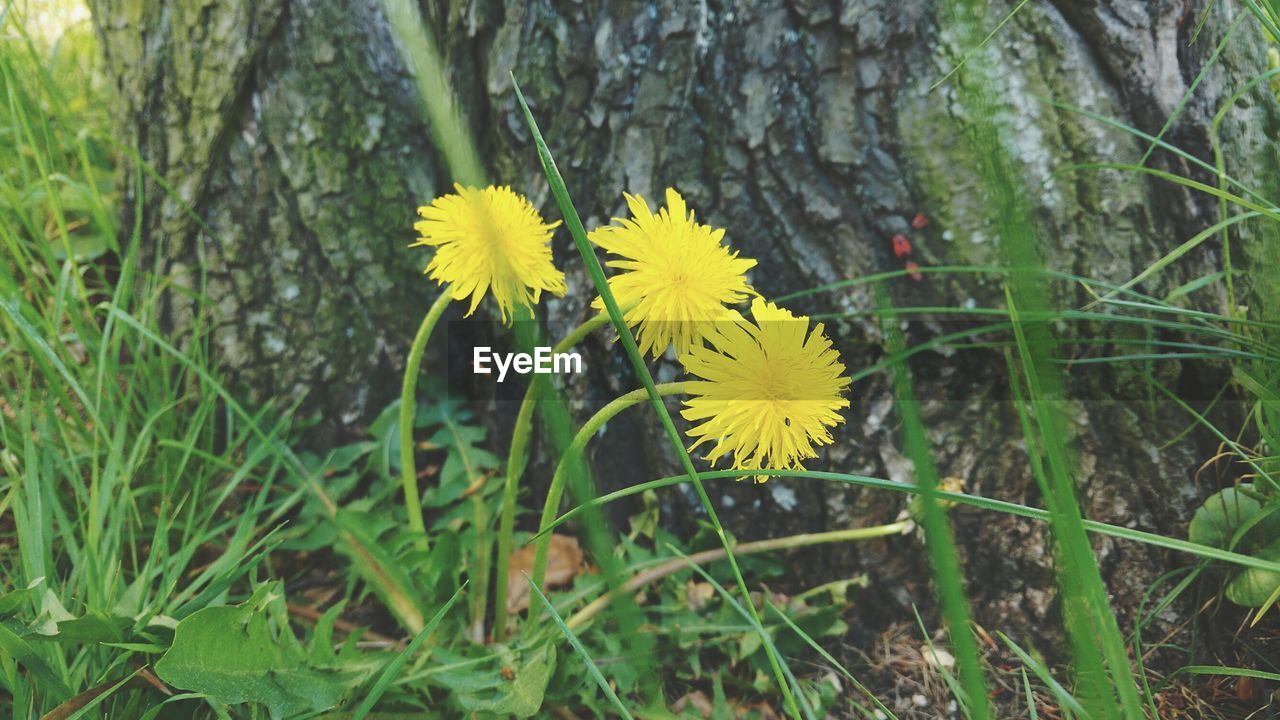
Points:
x=490, y=239
x=678, y=275
x=770, y=390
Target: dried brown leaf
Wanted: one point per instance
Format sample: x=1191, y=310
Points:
x=564, y=563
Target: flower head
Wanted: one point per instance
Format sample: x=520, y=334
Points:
x=678, y=277
x=490, y=239
x=769, y=390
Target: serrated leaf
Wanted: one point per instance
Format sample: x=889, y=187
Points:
x=385, y=425
x=344, y=457
x=246, y=653
x=748, y=643
x=380, y=568
x=520, y=696
x=465, y=463
x=442, y=410
x=321, y=651
x=1252, y=587
x=443, y=570
x=15, y=600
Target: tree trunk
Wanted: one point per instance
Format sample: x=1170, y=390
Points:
x=806, y=127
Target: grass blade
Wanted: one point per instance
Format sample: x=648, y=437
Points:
x=983, y=503
x=582, y=652
x=596, y=271
x=397, y=663
x=830, y=659
x=1064, y=698
x=1225, y=670
x=939, y=540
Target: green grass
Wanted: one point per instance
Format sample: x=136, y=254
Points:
x=939, y=538
x=134, y=498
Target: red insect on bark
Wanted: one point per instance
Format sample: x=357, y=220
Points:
x=901, y=246
x=919, y=221
x=913, y=269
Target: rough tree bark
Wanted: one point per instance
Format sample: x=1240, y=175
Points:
x=806, y=127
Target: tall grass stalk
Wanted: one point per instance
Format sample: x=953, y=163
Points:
x=596, y=271
x=883, y=710
x=592, y=669
x=450, y=133
x=652, y=574
x=1097, y=647
x=939, y=538
x=976, y=501
x=752, y=617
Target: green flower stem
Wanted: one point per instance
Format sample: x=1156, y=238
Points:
x=484, y=551
x=517, y=457
x=408, y=410
x=644, y=577
x=588, y=431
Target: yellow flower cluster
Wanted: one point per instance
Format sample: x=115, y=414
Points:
x=768, y=390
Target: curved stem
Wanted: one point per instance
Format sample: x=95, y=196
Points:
x=574, y=451
x=644, y=577
x=517, y=456
x=408, y=406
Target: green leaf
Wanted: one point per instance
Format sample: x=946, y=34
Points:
x=94, y=627
x=344, y=458
x=246, y=653
x=466, y=461
x=1253, y=587
x=381, y=568
x=386, y=432
x=522, y=695
x=15, y=600
x=321, y=649
x=55, y=623
x=1229, y=512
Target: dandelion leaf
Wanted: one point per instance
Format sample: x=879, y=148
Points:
x=247, y=653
